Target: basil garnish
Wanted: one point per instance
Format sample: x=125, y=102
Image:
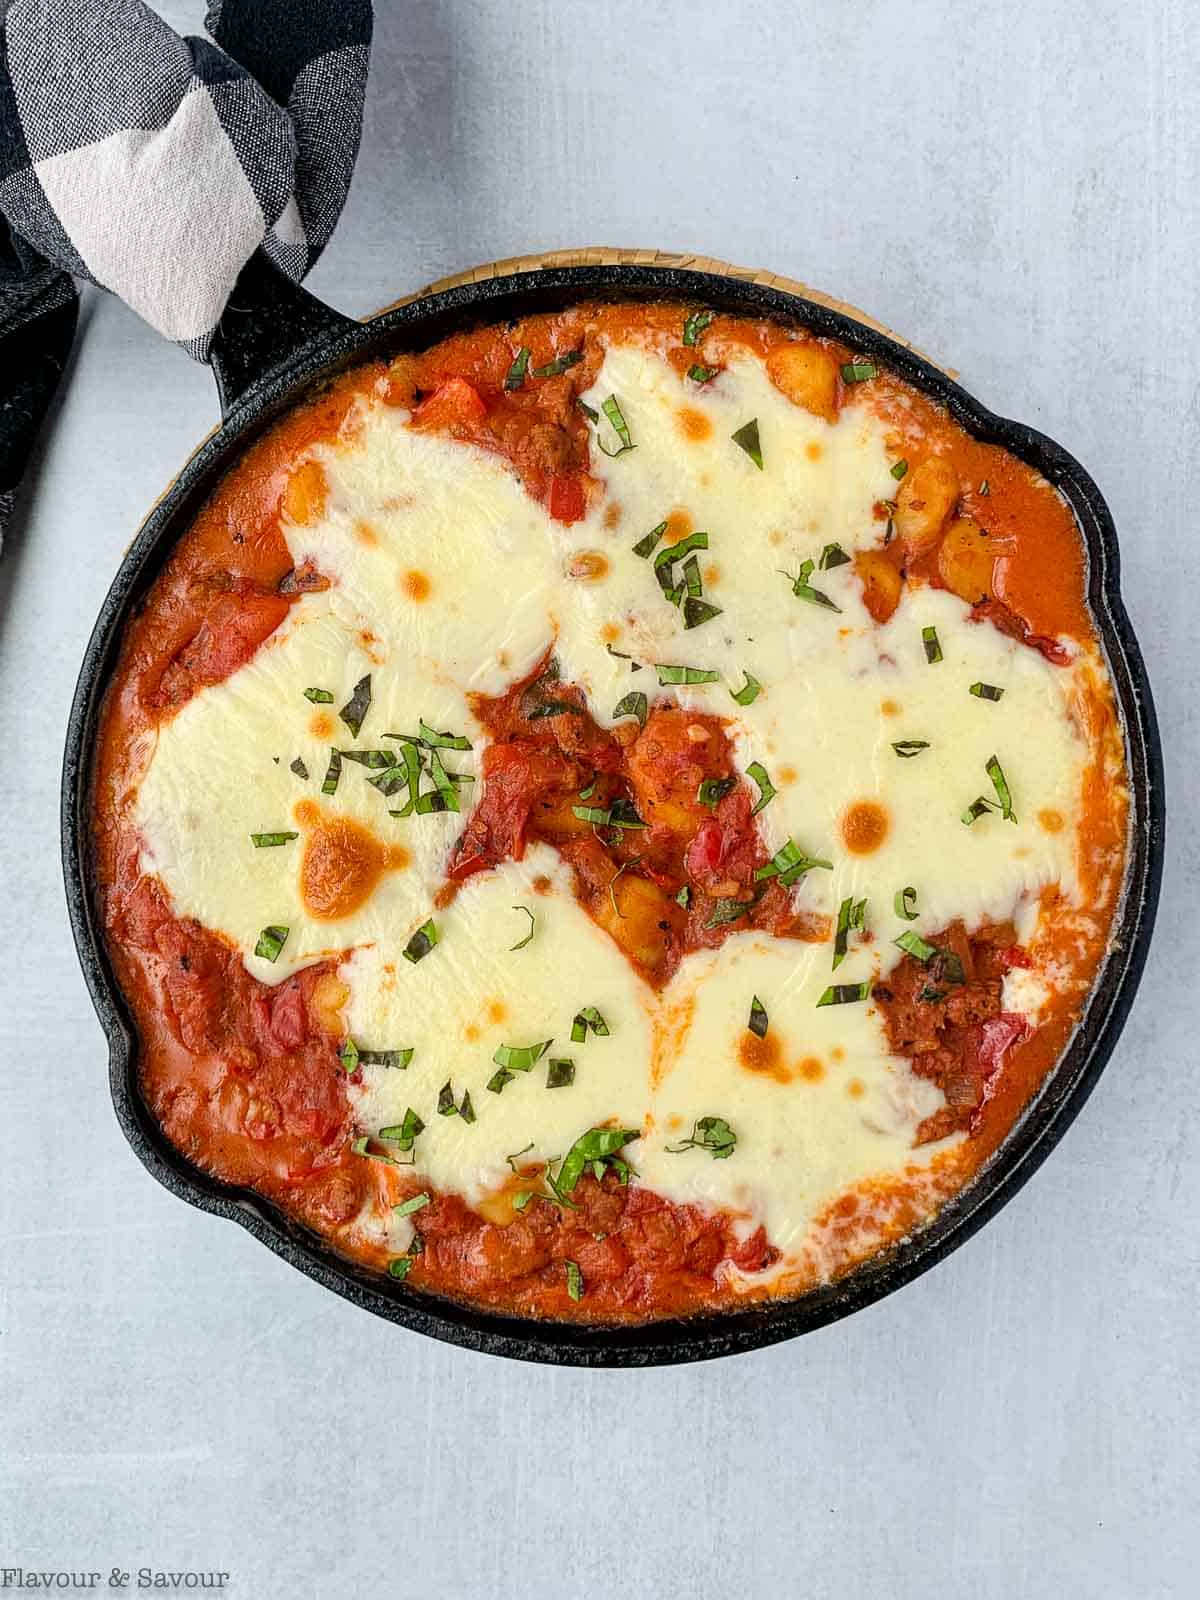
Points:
x=270, y=942
x=708, y=1133
x=354, y=712
x=747, y=437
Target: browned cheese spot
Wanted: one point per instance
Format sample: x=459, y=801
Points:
x=864, y=827
x=341, y=866
x=693, y=424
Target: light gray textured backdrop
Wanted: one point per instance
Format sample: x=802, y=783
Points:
x=1015, y=184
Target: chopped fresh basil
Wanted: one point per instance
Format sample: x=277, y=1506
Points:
x=442, y=741
x=708, y=1133
x=748, y=693
x=588, y=1017
x=554, y=708
x=979, y=807
x=943, y=964
x=907, y=748
x=859, y=371
x=332, y=772
x=789, y=864
x=349, y=1057
x=517, y=1154
x=362, y=1147
x=766, y=789
x=645, y=545
x=319, y=697
x=375, y=759
x=444, y=795
x=700, y=374
x=389, y=779
x=634, y=704
x=520, y=1057
x=845, y=994
x=422, y=942
x=408, y=773
x=985, y=488
x=560, y=1072
x=600, y=816
x=684, y=897
x=574, y=1279
x=697, y=612
x=521, y=943
x=597, y=1147
x=986, y=691
x=415, y=1202
x=727, y=909
x=758, y=1023
x=515, y=376
x=589, y=412
x=899, y=468
x=747, y=437
x=270, y=942
x=397, y=1059
x=622, y=814
x=268, y=841
x=913, y=945
x=299, y=769
x=667, y=557
x=852, y=914
x=688, y=675
x=612, y=411
x=803, y=590
x=620, y=655
x=695, y=324
x=930, y=996
x=498, y=1079
x=906, y=903
x=713, y=790
x=404, y=1133
x=996, y=773
x=559, y=365
x=354, y=712
x=832, y=556
x=933, y=648
x=400, y=1267
x=447, y=1107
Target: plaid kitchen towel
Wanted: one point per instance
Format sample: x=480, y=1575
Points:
x=155, y=166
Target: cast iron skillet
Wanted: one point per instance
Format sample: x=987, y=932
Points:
x=274, y=342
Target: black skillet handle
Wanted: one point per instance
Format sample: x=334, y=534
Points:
x=268, y=319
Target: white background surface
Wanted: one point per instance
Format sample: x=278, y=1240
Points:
x=1014, y=185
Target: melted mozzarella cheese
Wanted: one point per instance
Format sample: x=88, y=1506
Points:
x=221, y=770
x=834, y=1108
x=817, y=1106
x=474, y=993
x=447, y=579
x=820, y=486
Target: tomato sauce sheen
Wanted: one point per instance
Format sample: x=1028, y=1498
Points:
x=245, y=1079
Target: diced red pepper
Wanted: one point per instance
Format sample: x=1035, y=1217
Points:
x=455, y=403
x=566, y=502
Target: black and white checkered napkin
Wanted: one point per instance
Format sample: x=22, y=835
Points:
x=155, y=165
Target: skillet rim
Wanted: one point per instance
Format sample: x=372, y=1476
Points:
x=329, y=344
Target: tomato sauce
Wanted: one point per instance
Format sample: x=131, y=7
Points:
x=245, y=1078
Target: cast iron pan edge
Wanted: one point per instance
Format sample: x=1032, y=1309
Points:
x=276, y=341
